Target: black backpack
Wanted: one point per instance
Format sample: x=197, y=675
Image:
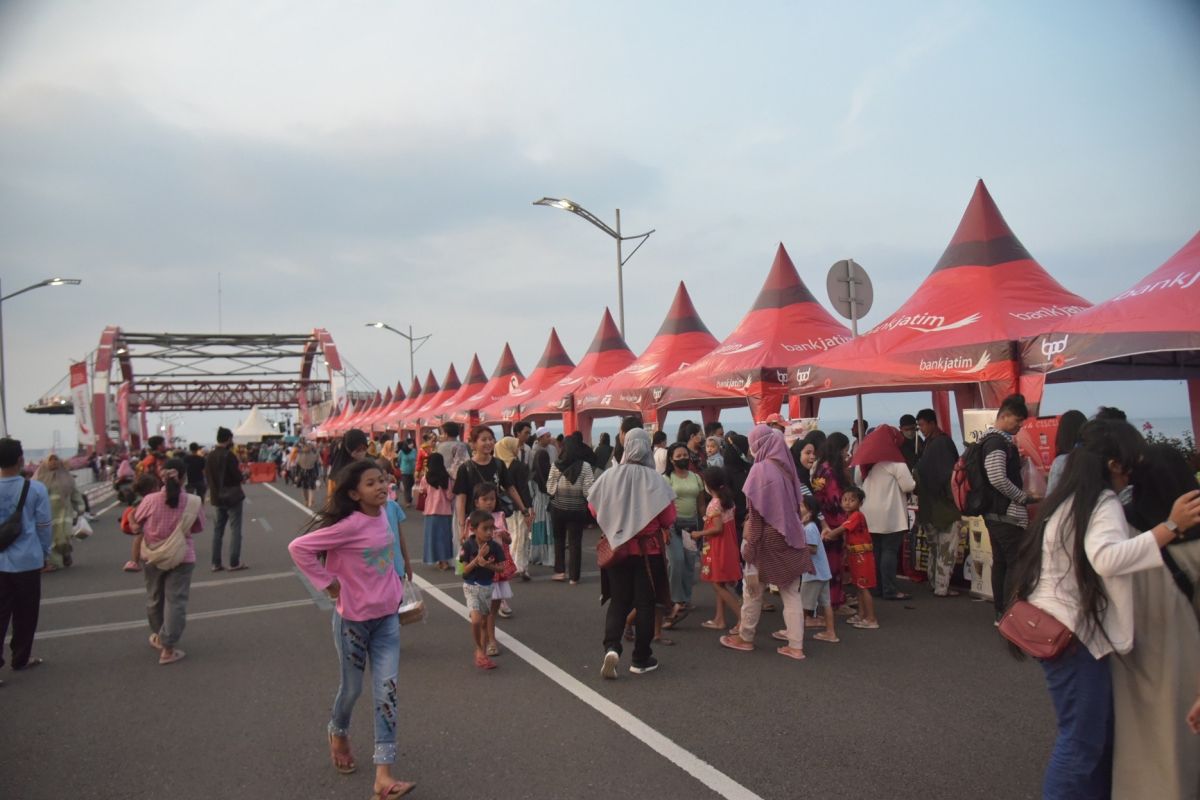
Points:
x=969, y=483
x=12, y=528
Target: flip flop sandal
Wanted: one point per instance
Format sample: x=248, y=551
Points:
x=176, y=655
x=792, y=653
x=486, y=663
x=155, y=642
x=735, y=630
x=30, y=664
x=712, y=626
x=493, y=650
x=628, y=634
x=664, y=641
x=826, y=637
x=736, y=643
x=345, y=766
x=132, y=566
x=854, y=620
x=950, y=593
x=397, y=789
x=560, y=577
x=866, y=626
x=780, y=635
x=239, y=568
x=814, y=623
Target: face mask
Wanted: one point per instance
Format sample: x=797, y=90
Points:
x=681, y=462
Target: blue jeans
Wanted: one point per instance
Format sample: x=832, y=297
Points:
x=887, y=561
x=681, y=563
x=1081, y=763
x=232, y=515
x=379, y=641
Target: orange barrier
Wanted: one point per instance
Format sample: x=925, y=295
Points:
x=262, y=472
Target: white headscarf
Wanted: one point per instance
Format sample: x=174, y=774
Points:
x=628, y=496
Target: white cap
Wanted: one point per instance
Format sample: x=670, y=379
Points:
x=540, y=432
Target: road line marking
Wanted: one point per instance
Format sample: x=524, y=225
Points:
x=75, y=598
x=61, y=633
x=690, y=763
x=107, y=508
x=265, y=525
x=320, y=598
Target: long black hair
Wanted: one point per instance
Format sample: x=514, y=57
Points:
x=1069, y=426
x=354, y=439
x=1086, y=477
x=1158, y=480
x=435, y=472
x=340, y=504
x=687, y=429
x=175, y=484
x=671, y=455
x=831, y=453
x=718, y=486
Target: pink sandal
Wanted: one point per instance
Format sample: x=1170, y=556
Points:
x=791, y=652
x=736, y=643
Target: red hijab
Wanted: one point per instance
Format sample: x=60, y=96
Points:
x=881, y=445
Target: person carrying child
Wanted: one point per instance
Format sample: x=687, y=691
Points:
x=146, y=484
x=359, y=573
x=814, y=587
x=481, y=559
x=860, y=555
x=720, y=565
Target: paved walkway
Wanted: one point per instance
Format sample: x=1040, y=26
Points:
x=930, y=706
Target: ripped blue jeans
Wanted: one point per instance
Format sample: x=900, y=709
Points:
x=376, y=640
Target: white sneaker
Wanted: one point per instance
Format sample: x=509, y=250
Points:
x=609, y=670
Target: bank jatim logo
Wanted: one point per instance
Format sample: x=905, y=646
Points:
x=1053, y=350
x=802, y=375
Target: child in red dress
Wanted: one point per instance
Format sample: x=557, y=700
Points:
x=859, y=555
x=720, y=564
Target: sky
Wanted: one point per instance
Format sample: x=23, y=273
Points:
x=343, y=162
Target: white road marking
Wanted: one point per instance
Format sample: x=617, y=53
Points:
x=693, y=765
x=108, y=508
x=265, y=525
x=75, y=598
x=141, y=623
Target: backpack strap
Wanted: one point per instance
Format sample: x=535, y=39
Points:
x=21, y=502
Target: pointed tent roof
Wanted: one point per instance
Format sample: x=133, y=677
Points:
x=962, y=323
x=554, y=364
x=682, y=339
x=607, y=354
x=325, y=427
x=1151, y=330
x=369, y=421
x=379, y=423
x=392, y=420
x=428, y=390
x=423, y=416
x=750, y=365
x=474, y=381
x=369, y=409
x=254, y=428
x=506, y=377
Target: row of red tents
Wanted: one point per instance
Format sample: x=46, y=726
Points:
x=987, y=321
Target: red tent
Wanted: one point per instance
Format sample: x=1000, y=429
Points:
x=379, y=424
x=750, y=366
x=960, y=328
x=506, y=377
x=1150, y=331
x=607, y=354
x=391, y=421
x=475, y=380
x=554, y=364
x=369, y=420
x=326, y=429
x=682, y=339
x=365, y=409
x=405, y=415
x=423, y=417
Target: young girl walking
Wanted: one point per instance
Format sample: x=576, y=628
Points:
x=439, y=512
x=859, y=555
x=484, y=498
x=481, y=559
x=720, y=565
x=353, y=534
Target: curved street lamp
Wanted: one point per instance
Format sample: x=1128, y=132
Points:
x=417, y=341
x=3, y=382
x=579, y=211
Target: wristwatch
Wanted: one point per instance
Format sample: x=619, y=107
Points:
x=1172, y=527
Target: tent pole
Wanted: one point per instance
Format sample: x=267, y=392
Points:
x=1194, y=403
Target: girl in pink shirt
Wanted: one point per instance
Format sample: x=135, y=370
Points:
x=353, y=534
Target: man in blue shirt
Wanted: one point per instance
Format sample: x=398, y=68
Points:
x=21, y=562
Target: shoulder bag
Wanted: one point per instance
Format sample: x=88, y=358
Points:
x=169, y=553
x=229, y=496
x=12, y=528
x=1034, y=632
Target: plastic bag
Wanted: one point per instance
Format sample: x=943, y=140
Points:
x=412, y=606
x=83, y=528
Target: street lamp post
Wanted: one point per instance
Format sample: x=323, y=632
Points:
x=414, y=343
x=580, y=211
x=3, y=382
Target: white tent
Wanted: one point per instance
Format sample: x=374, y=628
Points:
x=254, y=428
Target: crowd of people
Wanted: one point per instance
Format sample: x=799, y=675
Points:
x=816, y=525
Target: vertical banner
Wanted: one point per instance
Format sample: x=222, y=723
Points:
x=123, y=413
x=81, y=399
x=145, y=423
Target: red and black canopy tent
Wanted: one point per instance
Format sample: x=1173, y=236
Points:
x=681, y=340
x=554, y=364
x=400, y=421
x=750, y=366
x=369, y=419
x=1151, y=331
x=506, y=377
x=422, y=417
x=361, y=413
x=607, y=354
x=392, y=419
x=959, y=331
x=475, y=380
x=327, y=428
x=379, y=424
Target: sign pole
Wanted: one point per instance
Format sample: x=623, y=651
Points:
x=851, y=285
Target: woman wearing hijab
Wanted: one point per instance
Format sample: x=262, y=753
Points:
x=66, y=504
x=886, y=479
x=774, y=547
x=508, y=450
x=567, y=484
x=1154, y=685
x=634, y=507
x=604, y=453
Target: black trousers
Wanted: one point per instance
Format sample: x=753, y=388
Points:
x=568, y=525
x=630, y=588
x=20, y=601
x=1006, y=544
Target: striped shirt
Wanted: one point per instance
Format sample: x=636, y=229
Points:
x=995, y=464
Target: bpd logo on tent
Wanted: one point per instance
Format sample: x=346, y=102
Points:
x=1053, y=350
x=802, y=375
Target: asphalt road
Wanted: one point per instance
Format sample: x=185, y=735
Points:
x=929, y=706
